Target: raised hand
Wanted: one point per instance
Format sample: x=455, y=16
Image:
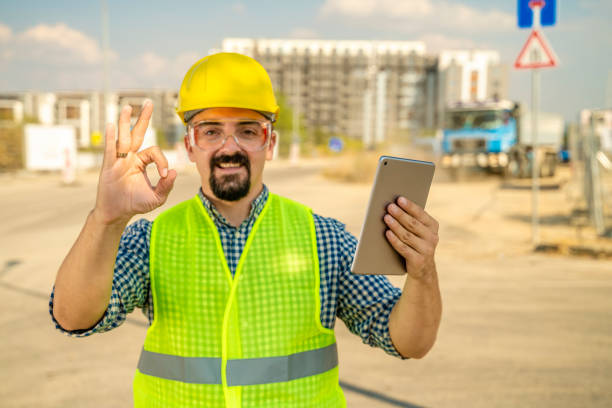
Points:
x=124, y=188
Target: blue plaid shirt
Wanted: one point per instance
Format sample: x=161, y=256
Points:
x=364, y=303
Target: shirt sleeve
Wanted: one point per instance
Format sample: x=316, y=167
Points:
x=364, y=302
x=130, y=288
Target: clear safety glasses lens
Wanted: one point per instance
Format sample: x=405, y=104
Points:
x=249, y=134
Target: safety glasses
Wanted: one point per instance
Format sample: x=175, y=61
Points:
x=250, y=134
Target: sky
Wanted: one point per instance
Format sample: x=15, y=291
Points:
x=50, y=46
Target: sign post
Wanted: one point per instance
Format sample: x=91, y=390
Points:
x=535, y=175
x=536, y=54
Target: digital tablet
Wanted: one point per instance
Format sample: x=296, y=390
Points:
x=394, y=177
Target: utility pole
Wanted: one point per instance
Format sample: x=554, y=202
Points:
x=381, y=106
x=368, y=101
x=609, y=91
x=535, y=168
x=105, y=54
x=294, y=150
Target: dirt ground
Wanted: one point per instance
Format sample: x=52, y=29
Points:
x=519, y=329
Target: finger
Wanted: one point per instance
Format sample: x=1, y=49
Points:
x=418, y=244
x=164, y=185
x=408, y=221
x=140, y=128
x=154, y=155
x=418, y=212
x=110, y=152
x=411, y=256
x=124, y=140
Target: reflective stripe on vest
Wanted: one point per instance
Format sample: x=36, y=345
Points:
x=249, y=371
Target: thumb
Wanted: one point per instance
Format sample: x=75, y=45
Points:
x=164, y=185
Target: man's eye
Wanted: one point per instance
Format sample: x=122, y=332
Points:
x=210, y=132
x=249, y=131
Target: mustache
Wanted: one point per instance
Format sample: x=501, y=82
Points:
x=237, y=157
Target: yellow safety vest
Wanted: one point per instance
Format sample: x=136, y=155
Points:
x=252, y=340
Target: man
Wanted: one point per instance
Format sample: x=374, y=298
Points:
x=241, y=286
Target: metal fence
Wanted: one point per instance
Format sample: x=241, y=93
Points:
x=591, y=153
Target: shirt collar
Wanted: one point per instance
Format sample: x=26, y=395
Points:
x=256, y=207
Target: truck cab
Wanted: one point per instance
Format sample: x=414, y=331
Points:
x=497, y=136
x=479, y=134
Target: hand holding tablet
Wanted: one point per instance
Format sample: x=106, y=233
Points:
x=398, y=236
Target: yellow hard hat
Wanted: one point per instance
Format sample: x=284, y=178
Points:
x=227, y=80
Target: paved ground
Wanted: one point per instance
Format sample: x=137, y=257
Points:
x=519, y=329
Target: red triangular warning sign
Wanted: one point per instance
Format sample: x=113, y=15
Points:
x=536, y=53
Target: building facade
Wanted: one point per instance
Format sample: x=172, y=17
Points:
x=470, y=76
x=89, y=111
x=372, y=90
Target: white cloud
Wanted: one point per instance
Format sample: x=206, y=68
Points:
x=439, y=42
x=6, y=55
x=150, y=64
x=59, y=43
x=596, y=6
x=301, y=32
x=369, y=8
x=182, y=62
x=417, y=15
x=153, y=70
x=53, y=57
x=6, y=51
x=5, y=33
x=238, y=8
x=471, y=19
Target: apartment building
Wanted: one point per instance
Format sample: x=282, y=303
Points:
x=364, y=89
x=11, y=109
x=471, y=76
x=89, y=111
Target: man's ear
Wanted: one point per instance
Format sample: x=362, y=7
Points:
x=271, y=146
x=188, y=148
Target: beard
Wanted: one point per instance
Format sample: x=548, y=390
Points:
x=231, y=187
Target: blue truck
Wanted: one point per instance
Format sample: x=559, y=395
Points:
x=496, y=137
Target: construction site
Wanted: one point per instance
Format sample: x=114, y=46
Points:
x=523, y=199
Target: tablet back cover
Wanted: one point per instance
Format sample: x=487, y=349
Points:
x=394, y=177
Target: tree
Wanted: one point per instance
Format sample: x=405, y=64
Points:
x=284, y=126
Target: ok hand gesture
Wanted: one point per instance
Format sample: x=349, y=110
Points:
x=124, y=188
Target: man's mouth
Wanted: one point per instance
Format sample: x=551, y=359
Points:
x=229, y=165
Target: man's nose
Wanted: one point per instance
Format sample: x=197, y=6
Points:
x=230, y=144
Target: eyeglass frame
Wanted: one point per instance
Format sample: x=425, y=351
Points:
x=264, y=123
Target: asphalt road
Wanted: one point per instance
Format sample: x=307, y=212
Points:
x=519, y=329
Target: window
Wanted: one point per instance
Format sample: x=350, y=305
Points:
x=7, y=114
x=73, y=112
x=474, y=85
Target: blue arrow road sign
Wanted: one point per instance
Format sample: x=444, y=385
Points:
x=548, y=15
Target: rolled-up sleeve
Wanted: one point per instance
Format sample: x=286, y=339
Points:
x=130, y=288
